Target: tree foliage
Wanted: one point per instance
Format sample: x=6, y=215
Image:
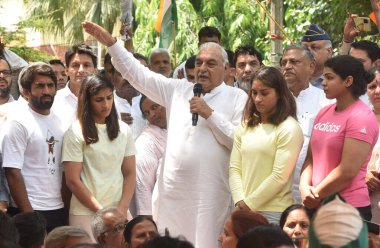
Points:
x=62, y=18
x=30, y=54
x=17, y=40
x=240, y=21
x=328, y=14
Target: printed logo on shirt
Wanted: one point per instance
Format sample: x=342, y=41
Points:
x=327, y=127
x=363, y=130
x=51, y=154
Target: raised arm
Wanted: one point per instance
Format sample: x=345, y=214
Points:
x=99, y=33
x=349, y=33
x=155, y=86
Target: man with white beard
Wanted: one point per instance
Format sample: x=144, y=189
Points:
x=247, y=61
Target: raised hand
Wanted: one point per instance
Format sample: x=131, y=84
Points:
x=350, y=30
x=99, y=33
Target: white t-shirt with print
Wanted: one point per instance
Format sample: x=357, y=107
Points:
x=33, y=144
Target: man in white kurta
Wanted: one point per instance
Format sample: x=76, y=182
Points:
x=65, y=106
x=80, y=62
x=193, y=197
x=122, y=106
x=298, y=65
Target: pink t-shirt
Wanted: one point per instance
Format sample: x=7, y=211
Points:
x=327, y=139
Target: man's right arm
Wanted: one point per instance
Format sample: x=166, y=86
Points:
x=13, y=148
x=156, y=87
x=18, y=189
x=349, y=33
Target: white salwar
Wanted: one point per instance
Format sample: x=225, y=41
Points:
x=193, y=195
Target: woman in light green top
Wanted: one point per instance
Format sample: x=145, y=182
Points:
x=98, y=155
x=266, y=147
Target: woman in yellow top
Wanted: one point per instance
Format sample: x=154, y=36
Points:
x=266, y=147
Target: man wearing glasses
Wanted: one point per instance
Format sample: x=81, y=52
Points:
x=5, y=97
x=5, y=81
x=298, y=65
x=108, y=227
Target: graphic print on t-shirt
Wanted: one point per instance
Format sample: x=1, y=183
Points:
x=328, y=127
x=51, y=154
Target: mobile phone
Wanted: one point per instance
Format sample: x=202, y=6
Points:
x=362, y=23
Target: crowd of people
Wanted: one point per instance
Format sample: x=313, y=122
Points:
x=222, y=151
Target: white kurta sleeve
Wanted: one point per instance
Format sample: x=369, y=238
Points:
x=155, y=86
x=223, y=129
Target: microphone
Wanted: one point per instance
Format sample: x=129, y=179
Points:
x=197, y=92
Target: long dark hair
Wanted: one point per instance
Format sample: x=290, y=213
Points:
x=90, y=87
x=286, y=105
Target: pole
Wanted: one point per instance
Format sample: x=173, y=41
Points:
x=174, y=45
x=277, y=10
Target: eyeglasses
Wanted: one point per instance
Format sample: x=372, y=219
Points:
x=116, y=229
x=6, y=72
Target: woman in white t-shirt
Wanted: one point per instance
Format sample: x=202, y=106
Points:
x=98, y=155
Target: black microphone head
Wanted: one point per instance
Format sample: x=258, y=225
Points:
x=197, y=89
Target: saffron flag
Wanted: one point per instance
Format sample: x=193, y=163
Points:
x=373, y=18
x=167, y=22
